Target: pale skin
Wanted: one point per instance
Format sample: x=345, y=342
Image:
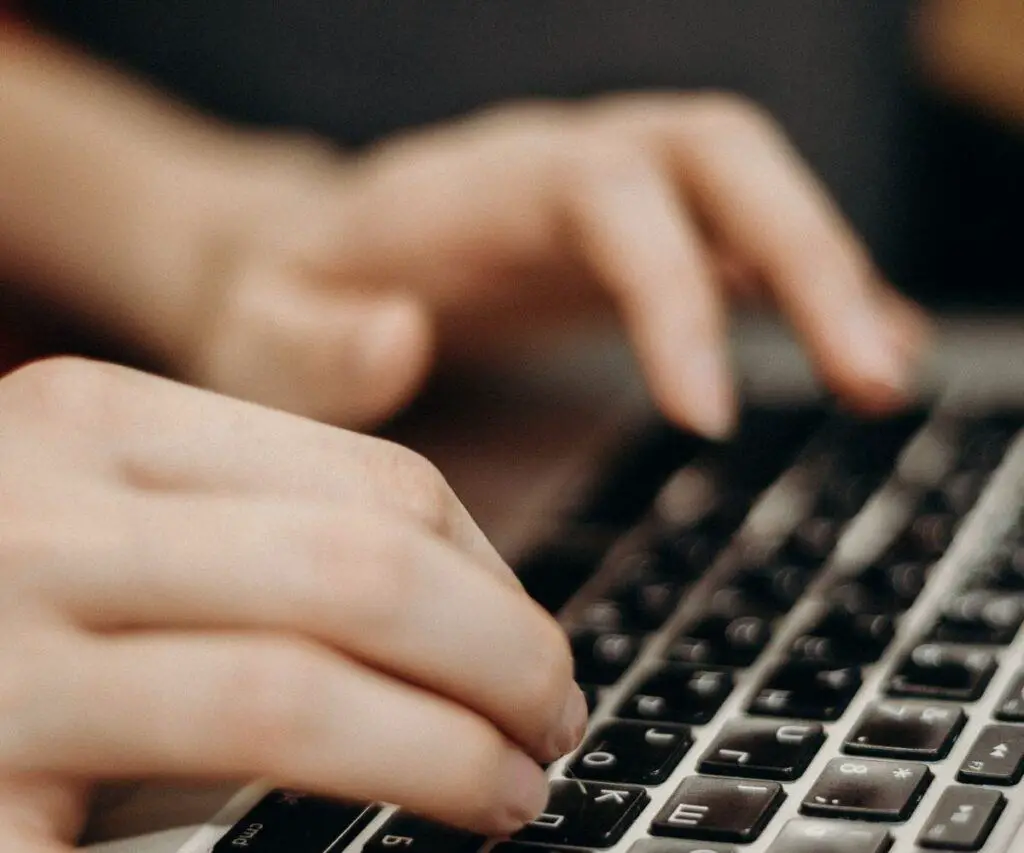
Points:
x=165, y=550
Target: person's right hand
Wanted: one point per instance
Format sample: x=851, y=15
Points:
x=198, y=587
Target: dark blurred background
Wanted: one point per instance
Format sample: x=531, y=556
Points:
x=935, y=185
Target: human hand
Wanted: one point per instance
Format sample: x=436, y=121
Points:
x=333, y=298
x=195, y=586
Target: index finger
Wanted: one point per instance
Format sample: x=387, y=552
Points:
x=767, y=205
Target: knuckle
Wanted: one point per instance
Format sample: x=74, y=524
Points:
x=732, y=113
x=594, y=160
x=422, y=489
x=68, y=391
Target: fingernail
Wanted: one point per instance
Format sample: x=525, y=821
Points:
x=526, y=791
x=712, y=405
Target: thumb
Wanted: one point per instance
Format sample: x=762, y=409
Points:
x=345, y=358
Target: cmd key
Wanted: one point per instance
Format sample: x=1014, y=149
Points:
x=293, y=822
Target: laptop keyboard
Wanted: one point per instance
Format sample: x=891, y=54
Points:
x=802, y=641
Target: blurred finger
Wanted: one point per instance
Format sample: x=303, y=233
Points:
x=331, y=355
x=764, y=203
x=642, y=245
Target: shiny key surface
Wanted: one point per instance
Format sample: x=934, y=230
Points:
x=821, y=836
x=963, y=819
x=293, y=822
x=915, y=730
x=996, y=757
x=763, y=749
x=585, y=814
x=679, y=693
x=414, y=834
x=632, y=752
x=730, y=810
x=868, y=789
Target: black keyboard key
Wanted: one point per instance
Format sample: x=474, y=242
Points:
x=846, y=638
x=585, y=814
x=808, y=691
x=820, y=836
x=292, y=822
x=603, y=616
x=729, y=810
x=981, y=617
x=553, y=572
x=777, y=586
x=1011, y=707
x=996, y=758
x=954, y=673
x=907, y=730
x=929, y=534
x=632, y=752
x=868, y=789
x=632, y=479
x=1007, y=574
x=676, y=845
x=601, y=659
x=678, y=693
x=735, y=641
x=896, y=583
x=417, y=835
x=521, y=847
x=963, y=819
x=763, y=749
x=649, y=604
x=985, y=443
x=812, y=542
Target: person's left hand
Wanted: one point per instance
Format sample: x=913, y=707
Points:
x=337, y=288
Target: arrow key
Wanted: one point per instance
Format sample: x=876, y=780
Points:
x=997, y=757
